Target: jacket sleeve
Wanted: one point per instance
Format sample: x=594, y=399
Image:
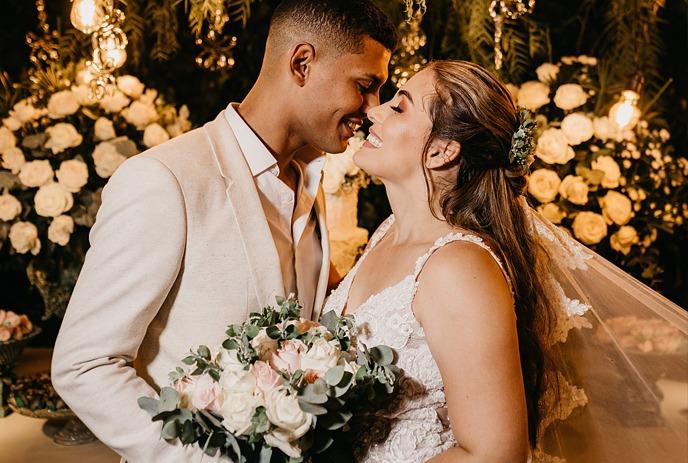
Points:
x=137, y=246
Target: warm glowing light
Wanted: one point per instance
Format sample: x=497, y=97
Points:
x=625, y=113
x=87, y=15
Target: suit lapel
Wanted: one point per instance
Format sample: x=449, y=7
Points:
x=248, y=211
x=321, y=290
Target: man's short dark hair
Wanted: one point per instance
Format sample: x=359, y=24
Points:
x=342, y=23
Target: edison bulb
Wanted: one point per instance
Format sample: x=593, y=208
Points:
x=625, y=114
x=87, y=15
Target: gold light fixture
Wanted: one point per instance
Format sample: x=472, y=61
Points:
x=87, y=15
x=500, y=11
x=625, y=113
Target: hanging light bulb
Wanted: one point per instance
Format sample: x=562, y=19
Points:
x=87, y=15
x=625, y=114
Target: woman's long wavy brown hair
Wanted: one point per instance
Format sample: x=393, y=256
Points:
x=473, y=108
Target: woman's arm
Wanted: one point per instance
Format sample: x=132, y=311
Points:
x=465, y=306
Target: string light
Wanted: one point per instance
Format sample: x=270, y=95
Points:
x=500, y=11
x=408, y=60
x=216, y=49
x=625, y=114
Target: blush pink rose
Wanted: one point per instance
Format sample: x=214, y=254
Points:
x=267, y=379
x=205, y=393
x=184, y=387
x=4, y=333
x=288, y=357
x=12, y=320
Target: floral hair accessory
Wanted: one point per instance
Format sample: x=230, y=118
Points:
x=523, y=140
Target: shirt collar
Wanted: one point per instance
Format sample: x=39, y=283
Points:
x=258, y=157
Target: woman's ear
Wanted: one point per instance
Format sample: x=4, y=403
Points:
x=442, y=153
x=301, y=61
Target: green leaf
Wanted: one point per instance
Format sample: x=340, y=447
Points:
x=169, y=400
x=170, y=430
x=149, y=404
x=252, y=331
x=334, y=375
x=273, y=332
x=189, y=360
x=311, y=408
x=382, y=355
x=214, y=374
x=204, y=352
x=230, y=344
x=188, y=436
x=330, y=320
x=265, y=454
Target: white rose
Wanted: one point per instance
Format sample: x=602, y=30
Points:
x=547, y=72
x=280, y=440
x=616, y=208
x=24, y=238
x=589, y=227
x=13, y=160
x=574, y=189
x=140, y=114
x=12, y=123
x=612, y=172
x=62, y=104
x=114, y=103
x=321, y=356
x=181, y=123
x=543, y=184
x=263, y=344
x=553, y=147
x=238, y=410
x=149, y=96
x=36, y=173
x=61, y=229
x=154, y=135
x=104, y=129
x=83, y=95
x=131, y=86
x=7, y=139
x=570, y=96
x=62, y=136
x=587, y=60
x=283, y=410
x=624, y=239
x=10, y=207
x=551, y=212
x=24, y=111
x=604, y=129
x=107, y=159
x=533, y=95
x=229, y=361
x=52, y=200
x=577, y=128
x=72, y=175
x=513, y=91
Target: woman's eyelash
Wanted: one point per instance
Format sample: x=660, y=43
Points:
x=396, y=109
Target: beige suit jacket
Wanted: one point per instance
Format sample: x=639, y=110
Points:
x=180, y=249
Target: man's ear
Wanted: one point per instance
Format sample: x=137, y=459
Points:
x=301, y=62
x=442, y=153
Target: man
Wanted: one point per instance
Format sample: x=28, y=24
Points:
x=196, y=233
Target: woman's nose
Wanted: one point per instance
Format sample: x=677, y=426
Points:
x=375, y=114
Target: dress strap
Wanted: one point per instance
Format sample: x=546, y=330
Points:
x=456, y=236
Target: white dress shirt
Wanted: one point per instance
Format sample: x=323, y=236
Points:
x=291, y=217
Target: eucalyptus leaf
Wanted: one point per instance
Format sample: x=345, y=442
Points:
x=312, y=408
x=204, y=352
x=189, y=360
x=170, y=430
x=265, y=454
x=188, y=436
x=169, y=400
x=330, y=321
x=334, y=375
x=149, y=404
x=382, y=355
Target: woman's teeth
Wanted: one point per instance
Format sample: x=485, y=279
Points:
x=373, y=140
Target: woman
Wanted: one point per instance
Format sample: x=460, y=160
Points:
x=458, y=280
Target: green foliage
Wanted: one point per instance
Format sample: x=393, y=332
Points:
x=162, y=15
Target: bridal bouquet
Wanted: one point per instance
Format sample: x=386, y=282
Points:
x=281, y=388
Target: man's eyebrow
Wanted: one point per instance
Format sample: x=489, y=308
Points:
x=406, y=94
x=375, y=79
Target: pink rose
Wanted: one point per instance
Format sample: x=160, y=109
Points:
x=266, y=378
x=205, y=393
x=4, y=333
x=25, y=324
x=12, y=320
x=184, y=388
x=2, y=316
x=288, y=357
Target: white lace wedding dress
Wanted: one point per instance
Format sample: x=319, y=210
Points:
x=415, y=428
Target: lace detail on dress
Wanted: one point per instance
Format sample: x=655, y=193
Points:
x=414, y=427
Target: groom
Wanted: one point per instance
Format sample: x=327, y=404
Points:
x=194, y=234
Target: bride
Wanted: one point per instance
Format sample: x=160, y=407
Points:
x=459, y=280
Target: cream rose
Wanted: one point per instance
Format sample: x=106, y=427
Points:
x=513, y=91
x=551, y=212
x=616, y=208
x=604, y=129
x=624, y=239
x=7, y=139
x=288, y=357
x=205, y=394
x=155, y=135
x=533, y=95
x=553, y=147
x=321, y=356
x=13, y=160
x=36, y=173
x=229, y=360
x=10, y=207
x=104, y=129
x=24, y=111
x=543, y=184
x=62, y=136
x=589, y=227
x=612, y=172
x=52, y=200
x=12, y=123
x=181, y=123
x=24, y=238
x=570, y=96
x=130, y=86
x=83, y=95
x=547, y=72
x=140, y=114
x=114, y=103
x=72, y=175
x=61, y=104
x=267, y=379
x=264, y=345
x=574, y=189
x=577, y=128
x=238, y=410
x=61, y=229
x=283, y=410
x=107, y=159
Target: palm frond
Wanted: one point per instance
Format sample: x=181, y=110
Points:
x=163, y=17
x=135, y=28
